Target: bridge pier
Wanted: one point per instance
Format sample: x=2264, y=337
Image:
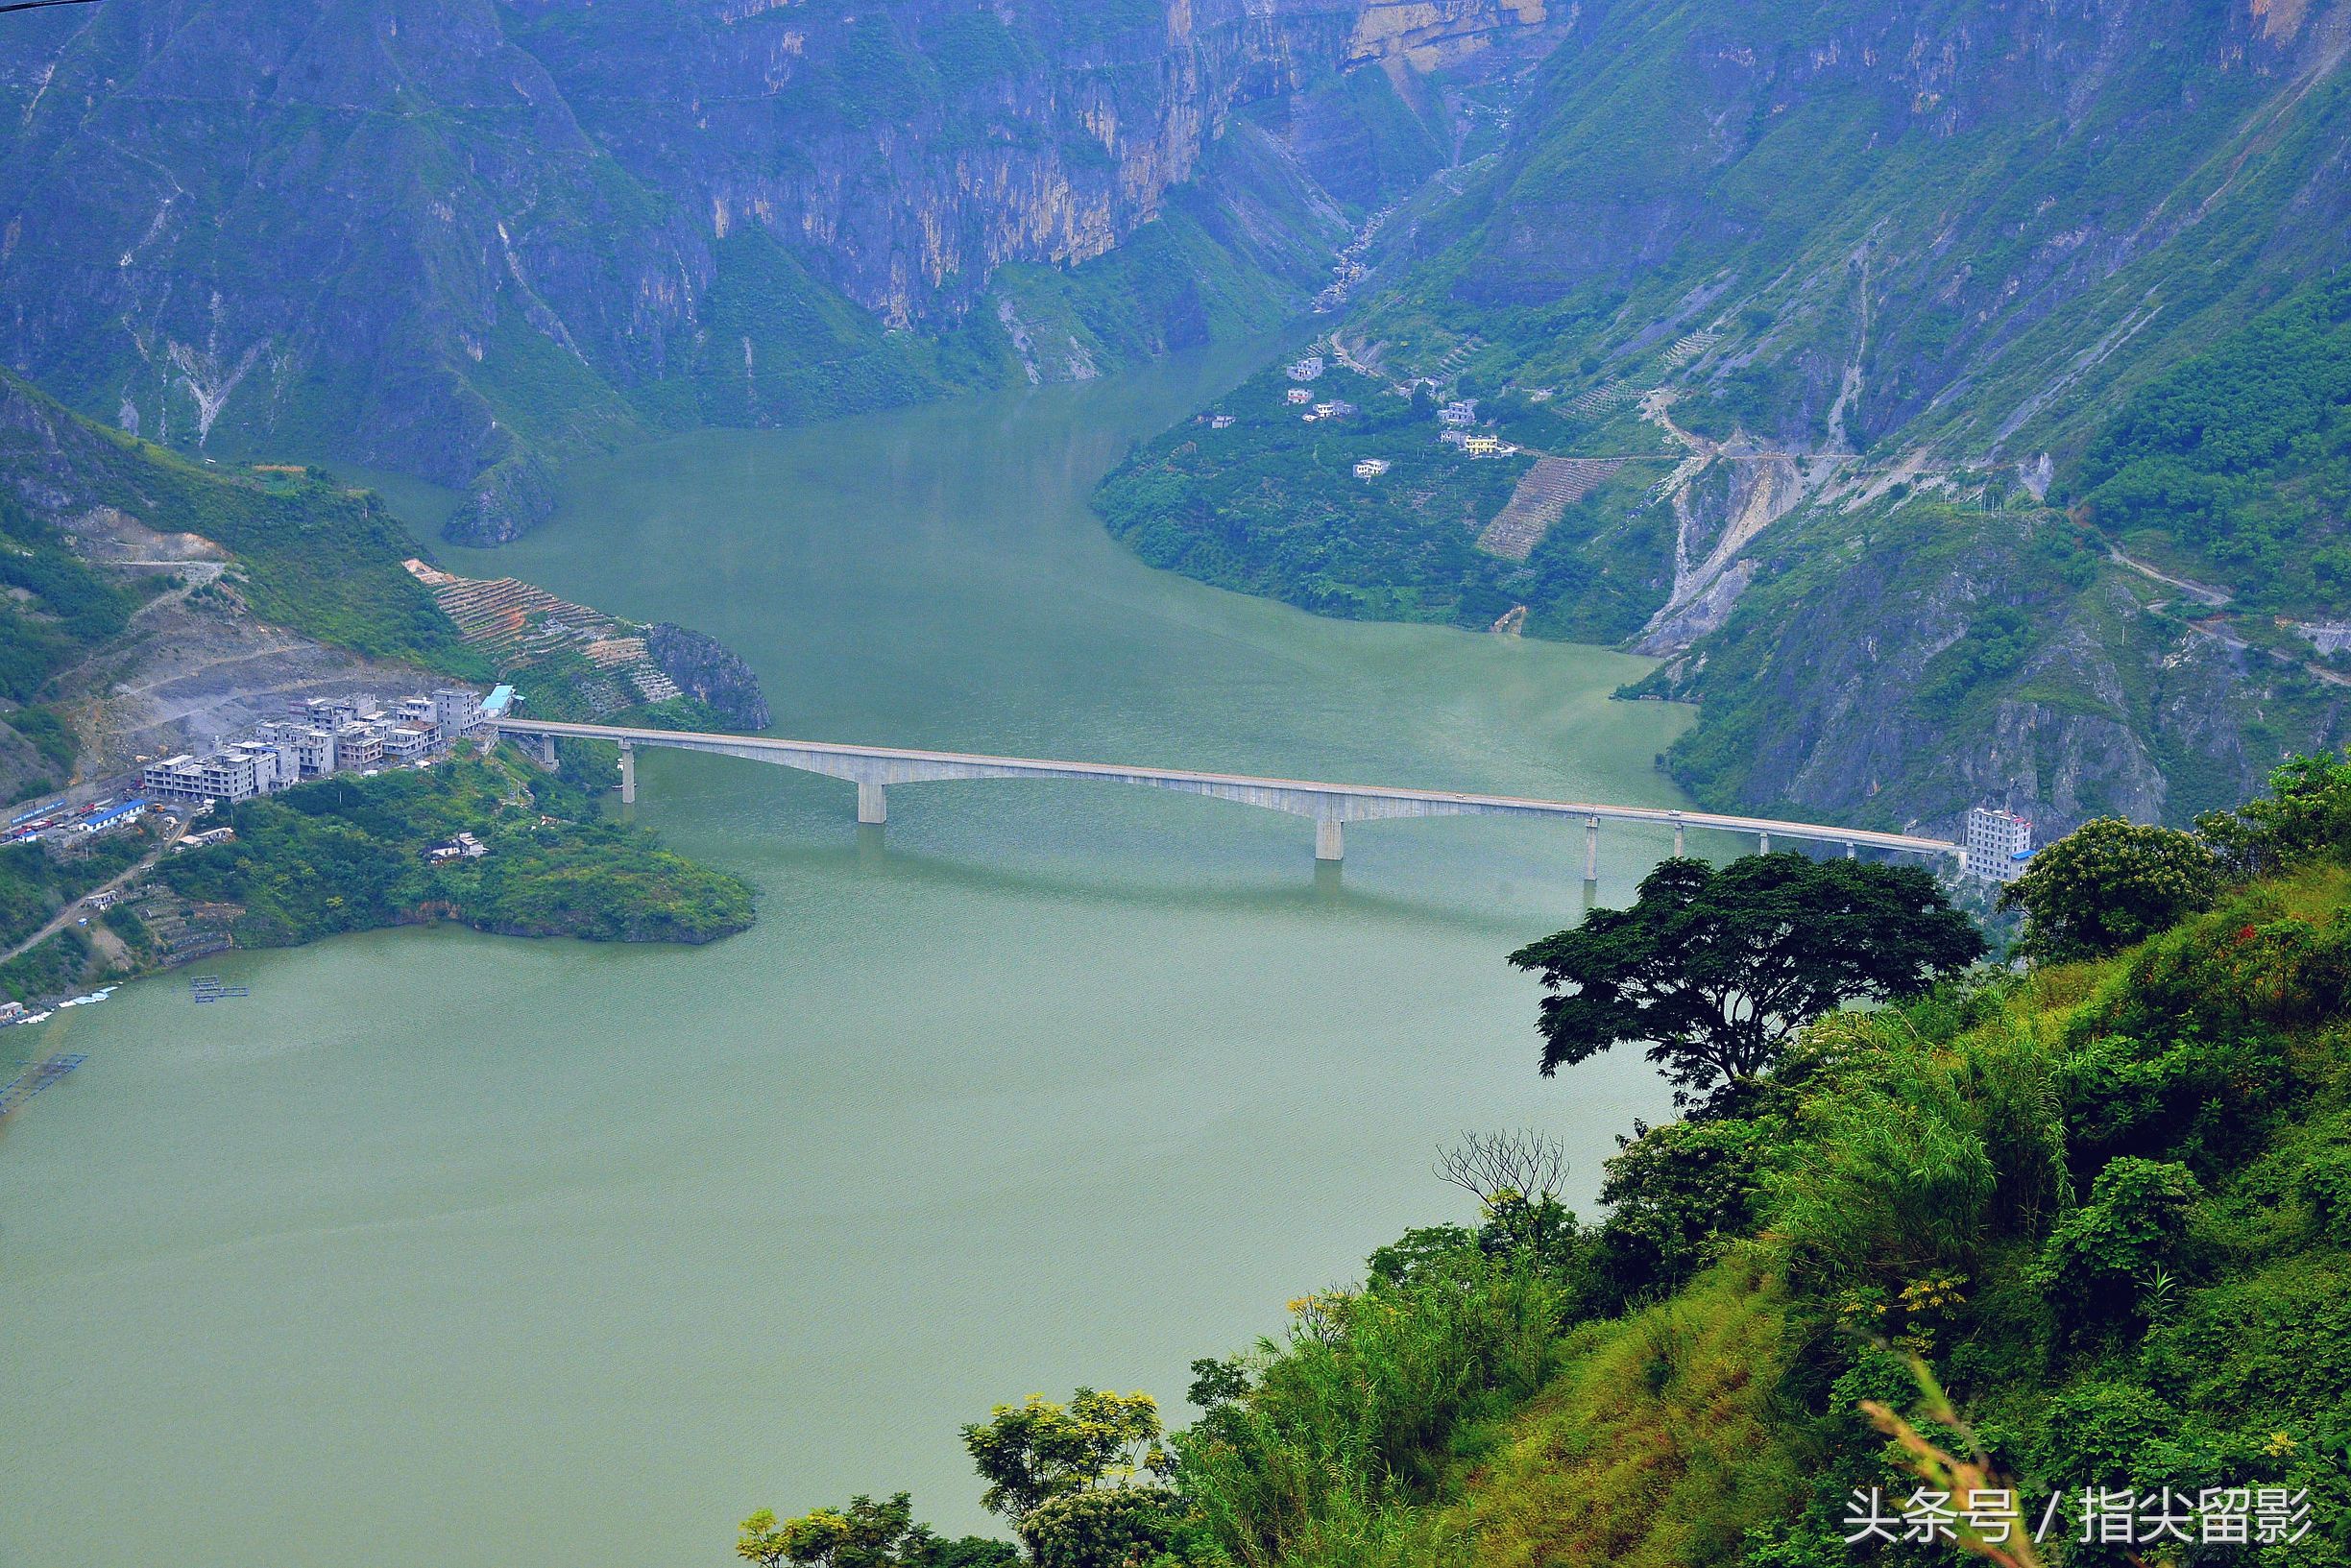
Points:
x=1852, y=852
x=1328, y=806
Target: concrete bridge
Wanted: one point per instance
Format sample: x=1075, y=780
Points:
x=873, y=769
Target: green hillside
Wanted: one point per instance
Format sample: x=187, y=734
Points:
x=312, y=555
x=1884, y=282
x=2082, y=1226
x=2104, y=1202
x=2236, y=466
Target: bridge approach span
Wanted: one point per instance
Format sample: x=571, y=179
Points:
x=874, y=768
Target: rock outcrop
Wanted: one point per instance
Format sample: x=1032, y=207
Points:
x=460, y=239
x=706, y=669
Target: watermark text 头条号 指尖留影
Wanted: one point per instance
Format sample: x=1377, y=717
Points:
x=2091, y=1515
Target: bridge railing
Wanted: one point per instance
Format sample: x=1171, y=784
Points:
x=874, y=768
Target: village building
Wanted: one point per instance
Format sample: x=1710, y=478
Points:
x=406, y=742
x=1306, y=368
x=220, y=775
x=1998, y=844
x=463, y=847
x=358, y=746
x=457, y=711
x=1370, y=467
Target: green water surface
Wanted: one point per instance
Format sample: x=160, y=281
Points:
x=446, y=1249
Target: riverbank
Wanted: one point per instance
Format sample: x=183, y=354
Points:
x=494, y=843
x=590, y=1210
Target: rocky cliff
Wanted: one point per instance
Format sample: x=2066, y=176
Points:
x=1854, y=295
x=710, y=672
x=462, y=239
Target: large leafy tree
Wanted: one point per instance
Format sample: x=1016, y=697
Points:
x=1037, y=1449
x=2109, y=883
x=864, y=1534
x=1715, y=968
x=2307, y=813
x=1067, y=1477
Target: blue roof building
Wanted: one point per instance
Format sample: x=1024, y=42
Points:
x=127, y=810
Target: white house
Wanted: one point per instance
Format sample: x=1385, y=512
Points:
x=1998, y=844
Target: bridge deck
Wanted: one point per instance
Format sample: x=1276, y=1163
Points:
x=891, y=764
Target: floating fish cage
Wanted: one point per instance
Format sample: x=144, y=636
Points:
x=36, y=1078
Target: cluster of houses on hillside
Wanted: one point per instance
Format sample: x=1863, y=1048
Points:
x=1457, y=418
x=321, y=736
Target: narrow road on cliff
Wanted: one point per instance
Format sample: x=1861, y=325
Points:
x=65, y=916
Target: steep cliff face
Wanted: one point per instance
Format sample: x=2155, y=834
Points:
x=1897, y=665
x=1883, y=276
x=461, y=238
x=1975, y=206
x=709, y=672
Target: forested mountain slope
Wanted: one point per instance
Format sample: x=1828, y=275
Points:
x=154, y=601
x=1828, y=310
x=460, y=238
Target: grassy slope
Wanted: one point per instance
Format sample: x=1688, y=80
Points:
x=1957, y=1177
x=315, y=557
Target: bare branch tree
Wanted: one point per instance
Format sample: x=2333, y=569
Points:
x=1526, y=1162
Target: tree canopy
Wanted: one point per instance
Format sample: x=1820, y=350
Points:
x=1037, y=1449
x=864, y=1534
x=1715, y=968
x=2307, y=812
x=2109, y=883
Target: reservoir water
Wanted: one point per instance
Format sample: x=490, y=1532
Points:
x=449, y=1249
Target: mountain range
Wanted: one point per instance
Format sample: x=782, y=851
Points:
x=1948, y=392
x=466, y=240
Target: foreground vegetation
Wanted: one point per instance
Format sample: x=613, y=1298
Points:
x=2103, y=1203
x=350, y=854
